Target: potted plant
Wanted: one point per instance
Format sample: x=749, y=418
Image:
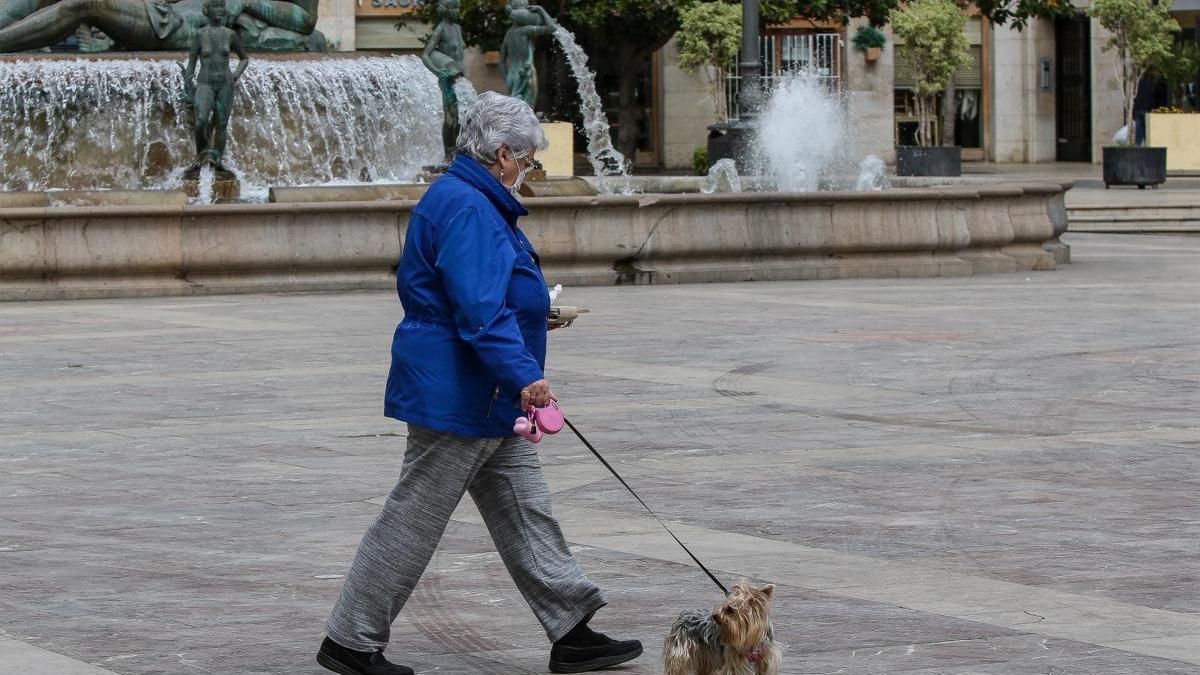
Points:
x=935, y=46
x=1142, y=33
x=870, y=41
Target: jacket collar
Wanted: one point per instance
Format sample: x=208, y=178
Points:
x=478, y=177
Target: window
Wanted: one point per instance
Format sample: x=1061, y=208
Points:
x=968, y=95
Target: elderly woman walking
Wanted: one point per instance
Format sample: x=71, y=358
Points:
x=467, y=359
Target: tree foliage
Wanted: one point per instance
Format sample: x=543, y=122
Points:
x=618, y=35
x=710, y=36
x=1016, y=13
x=640, y=22
x=1179, y=67
x=1141, y=34
x=935, y=45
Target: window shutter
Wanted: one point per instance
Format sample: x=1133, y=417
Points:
x=968, y=76
x=903, y=72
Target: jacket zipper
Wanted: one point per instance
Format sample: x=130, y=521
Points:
x=495, y=395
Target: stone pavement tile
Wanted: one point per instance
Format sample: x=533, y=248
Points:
x=19, y=657
x=1185, y=648
x=1002, y=655
x=996, y=471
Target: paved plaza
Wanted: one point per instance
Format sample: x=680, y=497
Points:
x=994, y=474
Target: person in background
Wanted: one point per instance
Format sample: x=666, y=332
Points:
x=1152, y=93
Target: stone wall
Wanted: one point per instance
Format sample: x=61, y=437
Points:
x=1023, y=121
x=1042, y=107
x=336, y=20
x=1024, y=118
x=687, y=110
x=1108, y=105
x=82, y=252
x=484, y=76
x=870, y=94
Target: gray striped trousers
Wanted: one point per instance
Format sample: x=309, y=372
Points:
x=504, y=477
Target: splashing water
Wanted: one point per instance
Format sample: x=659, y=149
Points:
x=122, y=123
x=872, y=174
x=464, y=91
x=607, y=163
x=722, y=177
x=801, y=140
x=205, y=183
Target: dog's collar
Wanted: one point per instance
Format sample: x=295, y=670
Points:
x=755, y=655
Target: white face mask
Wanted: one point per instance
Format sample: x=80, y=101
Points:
x=515, y=188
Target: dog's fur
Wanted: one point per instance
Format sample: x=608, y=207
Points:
x=733, y=639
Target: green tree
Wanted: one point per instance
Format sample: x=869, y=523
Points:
x=1179, y=68
x=1142, y=33
x=710, y=36
x=619, y=35
x=1015, y=13
x=934, y=43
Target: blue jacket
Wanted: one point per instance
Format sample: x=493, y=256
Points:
x=475, y=308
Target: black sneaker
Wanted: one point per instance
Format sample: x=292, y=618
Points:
x=584, y=649
x=339, y=659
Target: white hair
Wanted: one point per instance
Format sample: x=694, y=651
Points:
x=494, y=120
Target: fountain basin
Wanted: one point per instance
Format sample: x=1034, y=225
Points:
x=103, y=251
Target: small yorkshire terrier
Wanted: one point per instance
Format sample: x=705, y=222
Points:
x=733, y=639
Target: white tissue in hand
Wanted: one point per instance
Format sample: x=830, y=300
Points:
x=555, y=291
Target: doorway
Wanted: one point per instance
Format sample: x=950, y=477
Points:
x=1073, y=100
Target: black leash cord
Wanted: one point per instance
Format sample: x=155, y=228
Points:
x=648, y=509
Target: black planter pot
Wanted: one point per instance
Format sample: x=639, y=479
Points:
x=734, y=140
x=938, y=160
x=1132, y=165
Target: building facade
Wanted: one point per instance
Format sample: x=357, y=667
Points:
x=1042, y=94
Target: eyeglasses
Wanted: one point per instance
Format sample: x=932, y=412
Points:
x=522, y=163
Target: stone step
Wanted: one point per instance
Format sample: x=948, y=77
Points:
x=1173, y=218
x=1156, y=227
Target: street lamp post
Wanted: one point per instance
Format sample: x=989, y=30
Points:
x=734, y=138
x=749, y=66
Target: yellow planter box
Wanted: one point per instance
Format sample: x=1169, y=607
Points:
x=559, y=158
x=1180, y=135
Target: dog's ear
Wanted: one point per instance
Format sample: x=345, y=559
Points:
x=768, y=590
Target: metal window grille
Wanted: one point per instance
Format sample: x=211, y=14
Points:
x=783, y=55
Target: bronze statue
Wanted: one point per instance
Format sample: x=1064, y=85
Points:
x=158, y=24
x=12, y=11
x=516, y=52
x=211, y=94
x=443, y=55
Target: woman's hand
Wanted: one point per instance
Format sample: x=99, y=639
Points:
x=537, y=394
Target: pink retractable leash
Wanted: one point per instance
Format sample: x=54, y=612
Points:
x=538, y=422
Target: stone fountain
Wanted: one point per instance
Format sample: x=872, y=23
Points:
x=140, y=120
x=117, y=121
